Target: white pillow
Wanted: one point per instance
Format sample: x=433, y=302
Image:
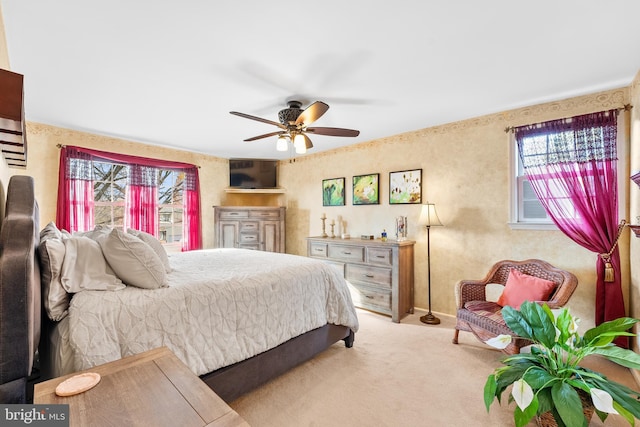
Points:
x=55, y=297
x=84, y=267
x=133, y=260
x=155, y=244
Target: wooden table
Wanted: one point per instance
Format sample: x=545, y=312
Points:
x=153, y=388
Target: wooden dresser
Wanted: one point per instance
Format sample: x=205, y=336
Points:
x=251, y=227
x=380, y=274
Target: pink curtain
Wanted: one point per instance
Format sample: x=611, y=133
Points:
x=571, y=165
x=75, y=193
x=141, y=206
x=191, y=224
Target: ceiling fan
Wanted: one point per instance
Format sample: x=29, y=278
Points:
x=294, y=126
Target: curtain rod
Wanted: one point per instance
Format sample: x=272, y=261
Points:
x=60, y=146
x=625, y=107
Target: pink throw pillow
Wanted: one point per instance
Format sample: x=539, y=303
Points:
x=521, y=287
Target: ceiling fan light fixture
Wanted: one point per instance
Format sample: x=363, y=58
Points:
x=300, y=144
x=283, y=143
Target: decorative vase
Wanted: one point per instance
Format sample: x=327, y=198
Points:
x=547, y=420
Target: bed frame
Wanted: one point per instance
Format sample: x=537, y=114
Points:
x=21, y=313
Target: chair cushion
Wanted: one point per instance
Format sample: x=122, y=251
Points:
x=487, y=309
x=521, y=287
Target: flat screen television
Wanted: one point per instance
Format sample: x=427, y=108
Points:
x=253, y=173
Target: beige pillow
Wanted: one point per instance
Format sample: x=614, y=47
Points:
x=55, y=297
x=50, y=231
x=133, y=260
x=85, y=268
x=155, y=244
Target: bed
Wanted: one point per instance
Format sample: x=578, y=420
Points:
x=237, y=318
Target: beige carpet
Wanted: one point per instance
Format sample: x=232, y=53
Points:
x=407, y=374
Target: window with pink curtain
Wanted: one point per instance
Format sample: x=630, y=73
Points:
x=76, y=206
x=572, y=166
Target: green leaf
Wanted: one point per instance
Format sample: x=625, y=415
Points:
x=538, y=377
x=516, y=322
x=490, y=388
x=541, y=324
x=522, y=418
x=621, y=356
x=567, y=402
x=622, y=324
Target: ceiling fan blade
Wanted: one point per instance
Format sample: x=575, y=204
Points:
x=307, y=142
x=260, y=119
x=333, y=131
x=312, y=113
x=266, y=135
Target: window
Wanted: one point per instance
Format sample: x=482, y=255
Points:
x=526, y=209
x=109, y=191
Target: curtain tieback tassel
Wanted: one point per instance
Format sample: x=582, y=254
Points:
x=609, y=273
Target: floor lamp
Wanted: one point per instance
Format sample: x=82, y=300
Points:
x=429, y=218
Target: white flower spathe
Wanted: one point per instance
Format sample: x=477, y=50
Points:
x=500, y=342
x=522, y=393
x=602, y=401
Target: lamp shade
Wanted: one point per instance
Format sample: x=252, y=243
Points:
x=283, y=143
x=429, y=216
x=300, y=144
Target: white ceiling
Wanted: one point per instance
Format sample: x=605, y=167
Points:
x=168, y=72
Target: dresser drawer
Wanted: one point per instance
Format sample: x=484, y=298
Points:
x=366, y=274
x=264, y=214
x=318, y=249
x=245, y=238
x=371, y=298
x=249, y=226
x=346, y=253
x=379, y=256
x=233, y=214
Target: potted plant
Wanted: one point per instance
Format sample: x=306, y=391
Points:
x=549, y=378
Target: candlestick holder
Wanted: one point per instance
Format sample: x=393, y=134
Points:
x=332, y=235
x=324, y=233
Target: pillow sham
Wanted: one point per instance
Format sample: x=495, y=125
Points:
x=84, y=267
x=55, y=298
x=155, y=244
x=133, y=260
x=521, y=287
x=50, y=231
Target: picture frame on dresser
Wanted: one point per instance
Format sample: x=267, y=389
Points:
x=333, y=192
x=405, y=187
x=366, y=189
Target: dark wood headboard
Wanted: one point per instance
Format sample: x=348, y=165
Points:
x=20, y=293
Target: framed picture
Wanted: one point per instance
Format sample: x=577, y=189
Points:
x=333, y=192
x=365, y=189
x=405, y=187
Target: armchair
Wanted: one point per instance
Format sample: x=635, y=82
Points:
x=484, y=318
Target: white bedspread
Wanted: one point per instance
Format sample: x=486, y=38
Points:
x=222, y=306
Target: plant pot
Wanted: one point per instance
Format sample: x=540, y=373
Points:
x=547, y=420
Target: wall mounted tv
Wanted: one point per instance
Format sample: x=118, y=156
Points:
x=253, y=173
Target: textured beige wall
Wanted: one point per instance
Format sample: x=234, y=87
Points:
x=465, y=173
x=43, y=161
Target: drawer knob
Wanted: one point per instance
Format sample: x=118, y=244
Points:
x=346, y=253
x=380, y=256
x=369, y=296
x=370, y=276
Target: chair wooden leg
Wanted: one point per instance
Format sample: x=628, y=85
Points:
x=455, y=336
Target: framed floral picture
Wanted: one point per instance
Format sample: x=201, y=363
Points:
x=405, y=187
x=365, y=189
x=333, y=192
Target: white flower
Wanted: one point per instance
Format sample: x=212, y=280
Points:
x=602, y=401
x=573, y=327
x=500, y=342
x=522, y=394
